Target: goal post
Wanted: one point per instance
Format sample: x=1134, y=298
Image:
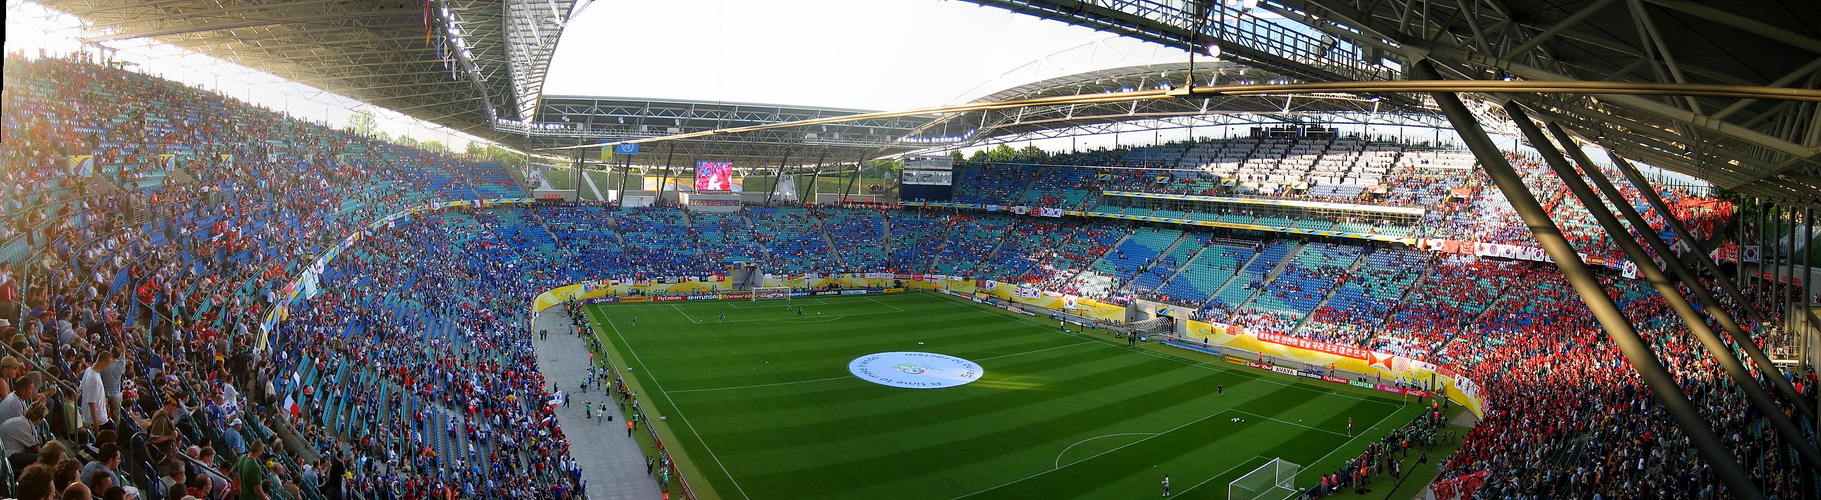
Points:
x=1275, y=480
x=770, y=292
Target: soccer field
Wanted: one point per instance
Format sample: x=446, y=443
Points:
x=763, y=405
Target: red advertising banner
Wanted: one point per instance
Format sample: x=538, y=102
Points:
x=1313, y=345
x=1334, y=379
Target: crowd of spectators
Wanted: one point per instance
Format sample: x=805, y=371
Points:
x=424, y=385
x=134, y=286
x=159, y=286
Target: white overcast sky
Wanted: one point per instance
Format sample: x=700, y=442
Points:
x=864, y=54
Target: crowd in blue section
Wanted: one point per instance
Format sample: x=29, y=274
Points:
x=156, y=223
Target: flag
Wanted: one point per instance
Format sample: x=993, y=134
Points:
x=427, y=29
x=82, y=165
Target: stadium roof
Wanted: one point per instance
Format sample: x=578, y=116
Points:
x=571, y=120
x=1041, y=121
x=1764, y=148
x=456, y=63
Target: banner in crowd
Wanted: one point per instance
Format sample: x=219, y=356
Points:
x=82, y=165
x=1458, y=487
x=1388, y=368
x=1519, y=252
x=1207, y=222
x=1726, y=252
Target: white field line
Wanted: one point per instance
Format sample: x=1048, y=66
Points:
x=755, y=386
x=673, y=405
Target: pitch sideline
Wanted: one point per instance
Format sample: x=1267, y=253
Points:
x=673, y=404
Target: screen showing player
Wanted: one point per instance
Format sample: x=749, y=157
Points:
x=714, y=176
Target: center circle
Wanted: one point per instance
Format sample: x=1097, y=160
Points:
x=915, y=370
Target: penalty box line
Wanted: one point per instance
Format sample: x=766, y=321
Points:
x=771, y=304
x=788, y=319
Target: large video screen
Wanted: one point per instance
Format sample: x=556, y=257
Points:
x=714, y=176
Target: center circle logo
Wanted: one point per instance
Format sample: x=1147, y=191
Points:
x=915, y=370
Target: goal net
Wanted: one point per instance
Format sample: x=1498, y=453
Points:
x=1273, y=481
x=770, y=292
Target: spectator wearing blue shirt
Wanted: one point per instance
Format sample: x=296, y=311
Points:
x=231, y=437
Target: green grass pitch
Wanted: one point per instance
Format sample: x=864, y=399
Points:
x=763, y=405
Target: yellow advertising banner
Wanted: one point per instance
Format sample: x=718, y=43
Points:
x=626, y=290
x=1315, y=354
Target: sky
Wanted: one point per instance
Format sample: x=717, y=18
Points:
x=860, y=54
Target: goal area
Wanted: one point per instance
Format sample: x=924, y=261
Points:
x=1273, y=481
x=770, y=292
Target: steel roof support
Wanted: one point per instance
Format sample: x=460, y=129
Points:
x=775, y=176
x=815, y=174
x=666, y=181
x=1563, y=25
x=1660, y=281
x=1620, y=330
x=859, y=166
x=1656, y=203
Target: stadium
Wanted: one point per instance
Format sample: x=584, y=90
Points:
x=1259, y=249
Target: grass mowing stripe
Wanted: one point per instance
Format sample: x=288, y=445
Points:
x=755, y=386
x=772, y=397
x=1032, y=352
x=1128, y=445
x=1298, y=424
x=1177, y=359
x=675, y=409
x=876, y=301
x=1356, y=436
x=941, y=410
x=1185, y=491
x=1065, y=451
